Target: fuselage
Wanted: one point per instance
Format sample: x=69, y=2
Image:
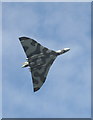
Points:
x=59, y=52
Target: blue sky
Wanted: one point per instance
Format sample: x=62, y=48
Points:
x=0, y=60
x=67, y=90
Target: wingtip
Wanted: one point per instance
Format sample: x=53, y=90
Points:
x=23, y=38
x=36, y=89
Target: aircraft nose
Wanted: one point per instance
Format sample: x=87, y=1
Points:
x=66, y=49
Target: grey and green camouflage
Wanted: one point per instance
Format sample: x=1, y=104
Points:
x=39, y=59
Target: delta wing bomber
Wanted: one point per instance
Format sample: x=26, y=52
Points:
x=39, y=59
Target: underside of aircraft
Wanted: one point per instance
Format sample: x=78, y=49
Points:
x=39, y=60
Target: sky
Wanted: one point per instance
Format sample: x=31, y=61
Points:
x=46, y=0
x=67, y=90
x=0, y=61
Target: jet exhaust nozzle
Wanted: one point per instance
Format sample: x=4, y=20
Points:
x=25, y=64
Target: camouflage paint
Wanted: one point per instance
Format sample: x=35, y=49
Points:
x=39, y=58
